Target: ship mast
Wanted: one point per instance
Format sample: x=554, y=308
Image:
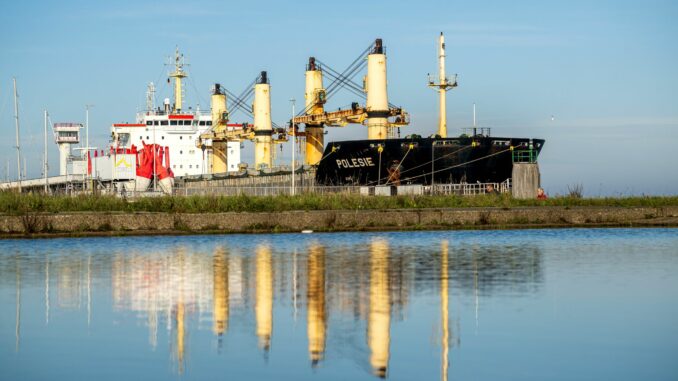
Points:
x=443, y=85
x=178, y=74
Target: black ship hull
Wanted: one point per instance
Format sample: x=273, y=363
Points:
x=424, y=160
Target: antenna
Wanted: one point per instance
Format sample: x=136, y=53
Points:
x=150, y=97
x=474, y=119
x=178, y=74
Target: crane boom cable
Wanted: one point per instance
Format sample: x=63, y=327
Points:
x=336, y=75
x=359, y=61
x=446, y=168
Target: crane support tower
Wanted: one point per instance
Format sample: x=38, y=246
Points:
x=262, y=123
x=224, y=137
x=377, y=95
x=219, y=157
x=378, y=114
x=442, y=86
x=315, y=97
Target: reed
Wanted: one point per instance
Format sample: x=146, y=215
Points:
x=15, y=204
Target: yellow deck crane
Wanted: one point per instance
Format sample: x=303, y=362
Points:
x=378, y=114
x=262, y=132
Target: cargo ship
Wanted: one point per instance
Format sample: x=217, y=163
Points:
x=386, y=159
x=417, y=160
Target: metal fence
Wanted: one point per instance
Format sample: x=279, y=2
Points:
x=470, y=189
x=266, y=190
x=437, y=189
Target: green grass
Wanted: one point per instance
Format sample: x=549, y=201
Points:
x=15, y=204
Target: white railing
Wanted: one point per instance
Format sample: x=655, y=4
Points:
x=266, y=190
x=470, y=189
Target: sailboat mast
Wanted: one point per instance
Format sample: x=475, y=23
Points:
x=44, y=164
x=16, y=123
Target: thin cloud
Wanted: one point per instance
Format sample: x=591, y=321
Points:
x=478, y=34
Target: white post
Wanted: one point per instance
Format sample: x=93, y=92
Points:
x=474, y=119
x=87, y=107
x=155, y=182
x=294, y=147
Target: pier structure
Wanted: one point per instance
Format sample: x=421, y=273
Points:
x=525, y=174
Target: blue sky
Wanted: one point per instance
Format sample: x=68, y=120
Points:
x=606, y=71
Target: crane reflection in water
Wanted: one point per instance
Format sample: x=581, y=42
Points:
x=349, y=288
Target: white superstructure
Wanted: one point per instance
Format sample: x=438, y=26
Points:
x=174, y=127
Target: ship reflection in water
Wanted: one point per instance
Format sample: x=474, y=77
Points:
x=392, y=307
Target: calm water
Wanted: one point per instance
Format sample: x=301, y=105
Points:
x=532, y=304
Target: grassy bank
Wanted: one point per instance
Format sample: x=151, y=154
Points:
x=15, y=204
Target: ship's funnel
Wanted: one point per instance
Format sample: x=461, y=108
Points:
x=315, y=99
x=377, y=96
x=262, y=123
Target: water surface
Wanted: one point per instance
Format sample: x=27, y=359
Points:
x=532, y=304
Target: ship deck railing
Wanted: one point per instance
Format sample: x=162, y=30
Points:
x=469, y=189
x=267, y=190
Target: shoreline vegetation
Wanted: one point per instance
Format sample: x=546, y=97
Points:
x=40, y=216
x=19, y=204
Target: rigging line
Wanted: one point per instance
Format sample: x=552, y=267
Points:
x=245, y=94
x=349, y=68
x=351, y=88
x=348, y=72
x=359, y=61
x=436, y=159
x=458, y=165
x=348, y=75
x=349, y=82
x=250, y=87
x=446, y=168
x=241, y=102
x=390, y=176
x=195, y=88
x=324, y=157
x=334, y=90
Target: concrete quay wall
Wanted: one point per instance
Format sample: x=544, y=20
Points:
x=102, y=223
